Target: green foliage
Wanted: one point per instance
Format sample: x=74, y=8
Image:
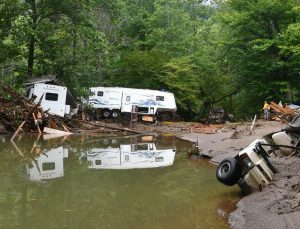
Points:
x=139, y=69
x=179, y=76
x=260, y=47
x=65, y=41
x=234, y=53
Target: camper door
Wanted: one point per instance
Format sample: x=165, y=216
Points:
x=146, y=103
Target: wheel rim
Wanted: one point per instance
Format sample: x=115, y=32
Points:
x=225, y=168
x=106, y=114
x=115, y=114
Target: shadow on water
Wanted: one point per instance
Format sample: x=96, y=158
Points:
x=84, y=181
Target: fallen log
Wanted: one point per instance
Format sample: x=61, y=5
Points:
x=110, y=127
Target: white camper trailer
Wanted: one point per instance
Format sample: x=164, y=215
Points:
x=130, y=156
x=115, y=100
x=54, y=98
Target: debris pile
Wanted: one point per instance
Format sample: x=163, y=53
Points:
x=17, y=112
x=282, y=113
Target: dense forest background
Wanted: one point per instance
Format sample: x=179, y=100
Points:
x=234, y=53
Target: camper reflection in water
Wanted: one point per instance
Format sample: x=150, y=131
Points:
x=131, y=156
x=50, y=164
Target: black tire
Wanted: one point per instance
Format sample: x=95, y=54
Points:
x=229, y=171
x=106, y=113
x=115, y=114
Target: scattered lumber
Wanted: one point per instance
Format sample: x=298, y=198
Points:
x=16, y=109
x=284, y=114
x=18, y=113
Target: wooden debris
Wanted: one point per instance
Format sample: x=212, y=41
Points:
x=17, y=131
x=284, y=114
x=55, y=131
x=17, y=112
x=36, y=123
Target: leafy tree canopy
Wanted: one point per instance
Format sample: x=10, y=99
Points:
x=233, y=53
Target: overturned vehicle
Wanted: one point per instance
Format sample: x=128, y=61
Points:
x=251, y=168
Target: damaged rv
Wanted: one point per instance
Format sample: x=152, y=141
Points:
x=54, y=98
x=112, y=101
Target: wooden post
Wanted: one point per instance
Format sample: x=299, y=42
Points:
x=18, y=130
x=252, y=125
x=36, y=123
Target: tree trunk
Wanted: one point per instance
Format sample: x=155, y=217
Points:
x=30, y=56
x=32, y=41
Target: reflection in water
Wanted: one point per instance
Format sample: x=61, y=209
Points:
x=184, y=195
x=50, y=164
x=130, y=156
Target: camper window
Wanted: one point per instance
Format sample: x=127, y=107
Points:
x=142, y=147
x=48, y=166
x=160, y=98
x=127, y=98
x=51, y=96
x=97, y=162
x=100, y=93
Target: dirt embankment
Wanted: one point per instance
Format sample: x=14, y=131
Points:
x=276, y=206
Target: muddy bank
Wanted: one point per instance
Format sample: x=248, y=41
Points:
x=276, y=206
x=230, y=139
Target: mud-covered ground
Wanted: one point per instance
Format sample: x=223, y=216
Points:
x=276, y=206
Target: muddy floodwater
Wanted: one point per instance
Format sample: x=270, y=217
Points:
x=84, y=181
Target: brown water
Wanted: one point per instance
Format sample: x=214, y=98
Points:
x=92, y=182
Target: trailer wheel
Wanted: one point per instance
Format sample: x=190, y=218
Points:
x=106, y=113
x=229, y=171
x=115, y=114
